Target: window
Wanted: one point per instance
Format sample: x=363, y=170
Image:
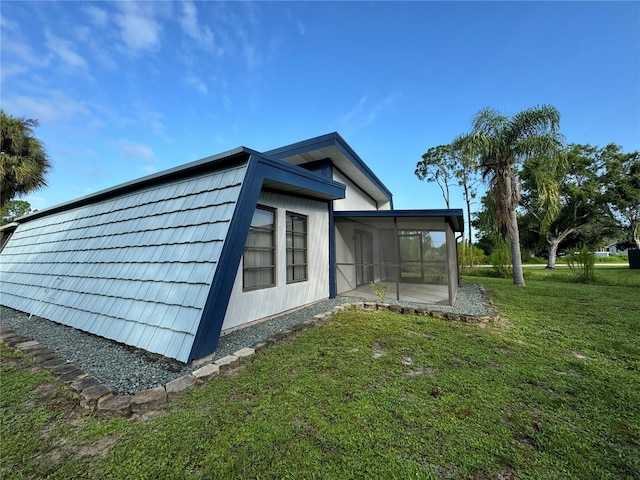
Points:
x=259, y=264
x=296, y=247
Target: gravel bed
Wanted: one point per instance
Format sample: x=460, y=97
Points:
x=128, y=370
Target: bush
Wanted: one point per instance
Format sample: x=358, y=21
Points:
x=464, y=252
x=500, y=260
x=582, y=265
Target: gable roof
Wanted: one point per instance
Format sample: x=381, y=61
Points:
x=332, y=146
x=147, y=263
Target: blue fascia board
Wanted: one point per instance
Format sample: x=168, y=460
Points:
x=453, y=215
x=208, y=334
x=221, y=160
x=288, y=174
x=331, y=139
x=325, y=167
x=259, y=170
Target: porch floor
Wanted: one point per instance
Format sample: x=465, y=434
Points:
x=409, y=292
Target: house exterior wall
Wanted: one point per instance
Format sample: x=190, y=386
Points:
x=248, y=306
x=355, y=199
x=135, y=268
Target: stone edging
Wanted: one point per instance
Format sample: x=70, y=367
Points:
x=95, y=395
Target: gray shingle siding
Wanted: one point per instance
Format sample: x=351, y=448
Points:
x=135, y=268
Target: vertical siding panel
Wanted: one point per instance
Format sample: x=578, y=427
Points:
x=246, y=307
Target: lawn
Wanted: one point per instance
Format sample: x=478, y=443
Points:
x=549, y=392
x=605, y=275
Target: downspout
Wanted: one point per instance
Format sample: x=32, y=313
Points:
x=457, y=257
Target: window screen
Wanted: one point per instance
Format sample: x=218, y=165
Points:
x=296, y=247
x=259, y=264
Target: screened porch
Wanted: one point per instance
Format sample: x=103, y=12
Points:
x=407, y=256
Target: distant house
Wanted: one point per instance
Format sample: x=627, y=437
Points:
x=610, y=249
x=170, y=262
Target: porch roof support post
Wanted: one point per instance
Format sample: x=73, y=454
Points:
x=397, y=256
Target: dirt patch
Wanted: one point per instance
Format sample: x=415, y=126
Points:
x=98, y=449
x=406, y=360
x=421, y=371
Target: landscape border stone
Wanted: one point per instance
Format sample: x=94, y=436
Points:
x=96, y=396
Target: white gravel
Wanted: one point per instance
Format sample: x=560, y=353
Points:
x=128, y=370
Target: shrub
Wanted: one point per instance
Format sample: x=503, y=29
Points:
x=500, y=260
x=465, y=252
x=582, y=265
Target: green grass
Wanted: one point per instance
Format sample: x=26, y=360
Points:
x=551, y=392
x=605, y=275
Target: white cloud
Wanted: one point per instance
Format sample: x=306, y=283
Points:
x=50, y=109
x=189, y=23
x=196, y=83
x=133, y=151
x=98, y=16
x=139, y=28
x=301, y=29
x=18, y=57
x=367, y=111
x=64, y=50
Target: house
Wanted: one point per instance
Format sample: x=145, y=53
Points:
x=169, y=262
x=611, y=249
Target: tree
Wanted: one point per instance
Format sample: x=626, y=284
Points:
x=622, y=190
x=442, y=164
x=437, y=166
x=14, y=209
x=23, y=161
x=489, y=236
x=501, y=144
x=582, y=209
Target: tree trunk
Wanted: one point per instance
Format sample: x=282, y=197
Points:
x=516, y=257
x=470, y=233
x=553, y=250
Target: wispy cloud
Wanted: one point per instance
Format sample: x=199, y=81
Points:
x=55, y=107
x=64, y=50
x=19, y=57
x=139, y=28
x=367, y=111
x=98, y=16
x=196, y=83
x=133, y=151
x=190, y=26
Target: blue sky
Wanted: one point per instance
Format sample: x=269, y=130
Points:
x=125, y=89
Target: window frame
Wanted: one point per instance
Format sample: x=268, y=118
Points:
x=291, y=233
x=273, y=248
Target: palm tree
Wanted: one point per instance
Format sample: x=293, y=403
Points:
x=502, y=144
x=23, y=161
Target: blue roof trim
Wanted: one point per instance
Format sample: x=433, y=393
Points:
x=325, y=167
x=206, y=338
x=332, y=139
x=260, y=169
x=288, y=174
x=453, y=215
x=193, y=168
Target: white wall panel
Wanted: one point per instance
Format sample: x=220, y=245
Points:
x=355, y=199
x=245, y=307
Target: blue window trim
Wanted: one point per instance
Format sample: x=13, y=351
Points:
x=259, y=170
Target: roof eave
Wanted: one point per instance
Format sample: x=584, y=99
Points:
x=233, y=156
